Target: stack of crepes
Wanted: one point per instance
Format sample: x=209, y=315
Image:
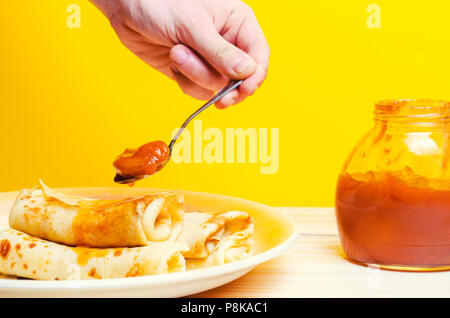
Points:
x=55, y=236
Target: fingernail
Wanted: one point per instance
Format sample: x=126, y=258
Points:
x=179, y=56
x=241, y=65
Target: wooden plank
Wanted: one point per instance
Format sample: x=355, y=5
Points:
x=316, y=267
x=313, y=220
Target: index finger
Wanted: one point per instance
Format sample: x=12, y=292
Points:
x=250, y=38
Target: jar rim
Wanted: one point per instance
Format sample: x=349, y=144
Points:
x=412, y=110
x=413, y=103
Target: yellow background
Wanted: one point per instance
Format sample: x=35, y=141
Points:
x=72, y=99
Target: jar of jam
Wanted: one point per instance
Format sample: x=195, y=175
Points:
x=393, y=194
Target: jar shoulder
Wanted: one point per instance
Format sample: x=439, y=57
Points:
x=422, y=150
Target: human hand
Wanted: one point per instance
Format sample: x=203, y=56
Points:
x=201, y=44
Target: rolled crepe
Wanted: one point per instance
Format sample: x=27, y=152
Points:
x=26, y=256
x=216, y=238
x=76, y=221
x=230, y=249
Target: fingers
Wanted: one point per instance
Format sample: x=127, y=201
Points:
x=241, y=52
x=190, y=88
x=208, y=60
x=222, y=55
x=247, y=88
x=194, y=68
x=229, y=99
x=251, y=38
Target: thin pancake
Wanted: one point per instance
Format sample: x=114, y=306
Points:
x=76, y=221
x=26, y=256
x=217, y=237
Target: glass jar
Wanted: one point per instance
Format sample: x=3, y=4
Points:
x=393, y=194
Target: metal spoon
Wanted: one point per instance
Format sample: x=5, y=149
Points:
x=230, y=86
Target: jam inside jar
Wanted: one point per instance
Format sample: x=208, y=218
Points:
x=393, y=194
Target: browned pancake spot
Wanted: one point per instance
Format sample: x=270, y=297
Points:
x=17, y=248
x=93, y=273
x=135, y=270
x=5, y=246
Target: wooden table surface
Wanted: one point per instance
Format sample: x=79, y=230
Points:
x=315, y=267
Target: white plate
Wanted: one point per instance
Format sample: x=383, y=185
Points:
x=274, y=233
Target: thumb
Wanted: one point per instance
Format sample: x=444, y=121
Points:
x=224, y=56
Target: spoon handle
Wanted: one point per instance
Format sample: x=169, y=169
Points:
x=230, y=86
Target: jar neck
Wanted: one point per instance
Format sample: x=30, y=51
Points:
x=415, y=112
